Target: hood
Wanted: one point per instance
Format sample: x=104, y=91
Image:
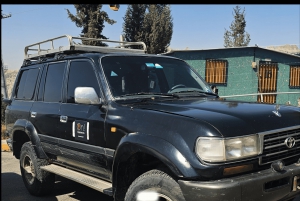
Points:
x=232, y=118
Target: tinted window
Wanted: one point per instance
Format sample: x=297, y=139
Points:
x=26, y=85
x=53, y=85
x=81, y=74
x=42, y=85
x=30, y=83
x=128, y=76
x=20, y=87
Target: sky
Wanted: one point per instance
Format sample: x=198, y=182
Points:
x=195, y=26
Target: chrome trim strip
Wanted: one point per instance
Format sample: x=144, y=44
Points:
x=279, y=130
x=278, y=145
x=279, y=152
x=77, y=145
x=260, y=159
x=276, y=138
x=262, y=141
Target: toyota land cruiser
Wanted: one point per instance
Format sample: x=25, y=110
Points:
x=123, y=122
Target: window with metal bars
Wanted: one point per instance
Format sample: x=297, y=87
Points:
x=216, y=71
x=267, y=82
x=295, y=77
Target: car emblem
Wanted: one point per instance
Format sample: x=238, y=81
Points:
x=290, y=142
x=277, y=107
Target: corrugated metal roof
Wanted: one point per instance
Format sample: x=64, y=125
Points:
x=225, y=48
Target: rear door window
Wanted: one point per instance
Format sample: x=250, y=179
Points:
x=53, y=84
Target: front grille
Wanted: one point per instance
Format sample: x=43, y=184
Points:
x=275, y=148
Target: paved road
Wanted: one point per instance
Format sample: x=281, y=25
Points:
x=13, y=189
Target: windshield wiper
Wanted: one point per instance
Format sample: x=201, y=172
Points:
x=197, y=92
x=152, y=95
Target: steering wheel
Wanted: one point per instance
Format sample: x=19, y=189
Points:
x=176, y=86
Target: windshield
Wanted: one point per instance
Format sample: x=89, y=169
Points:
x=140, y=75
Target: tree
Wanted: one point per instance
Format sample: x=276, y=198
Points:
x=154, y=26
x=133, y=22
x=237, y=37
x=91, y=18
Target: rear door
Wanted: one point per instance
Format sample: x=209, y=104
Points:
x=23, y=95
x=44, y=112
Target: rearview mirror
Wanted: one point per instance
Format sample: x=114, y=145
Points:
x=215, y=89
x=86, y=95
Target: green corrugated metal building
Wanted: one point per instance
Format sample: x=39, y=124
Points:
x=248, y=70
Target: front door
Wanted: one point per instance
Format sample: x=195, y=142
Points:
x=267, y=82
x=81, y=126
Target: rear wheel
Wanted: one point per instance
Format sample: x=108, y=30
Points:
x=156, y=184
x=37, y=181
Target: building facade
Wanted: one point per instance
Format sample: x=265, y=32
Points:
x=248, y=70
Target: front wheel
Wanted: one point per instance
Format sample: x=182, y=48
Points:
x=37, y=181
x=157, y=184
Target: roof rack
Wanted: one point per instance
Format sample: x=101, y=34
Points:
x=73, y=47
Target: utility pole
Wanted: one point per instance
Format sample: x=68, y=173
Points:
x=3, y=80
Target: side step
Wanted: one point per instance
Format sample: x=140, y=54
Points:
x=97, y=184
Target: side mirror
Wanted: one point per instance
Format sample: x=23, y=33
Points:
x=86, y=95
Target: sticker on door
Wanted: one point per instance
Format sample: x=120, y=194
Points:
x=80, y=130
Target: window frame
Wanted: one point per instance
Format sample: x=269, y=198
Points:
x=290, y=74
x=46, y=68
x=66, y=79
x=226, y=72
x=13, y=95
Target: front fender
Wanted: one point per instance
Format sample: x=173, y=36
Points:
x=29, y=129
x=156, y=147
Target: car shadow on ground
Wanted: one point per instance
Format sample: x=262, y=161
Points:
x=13, y=188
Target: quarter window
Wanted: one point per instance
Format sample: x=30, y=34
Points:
x=26, y=85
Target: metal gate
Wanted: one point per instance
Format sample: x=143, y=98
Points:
x=267, y=81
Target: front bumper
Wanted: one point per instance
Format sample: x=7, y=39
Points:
x=266, y=185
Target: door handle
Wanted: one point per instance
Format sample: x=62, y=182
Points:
x=63, y=119
x=33, y=114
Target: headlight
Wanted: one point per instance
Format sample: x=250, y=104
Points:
x=221, y=149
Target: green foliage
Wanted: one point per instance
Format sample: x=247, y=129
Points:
x=133, y=22
x=91, y=18
x=237, y=36
x=151, y=24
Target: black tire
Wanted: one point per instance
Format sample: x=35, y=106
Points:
x=158, y=181
x=37, y=181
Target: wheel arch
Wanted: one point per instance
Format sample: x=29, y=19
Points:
x=24, y=131
x=135, y=149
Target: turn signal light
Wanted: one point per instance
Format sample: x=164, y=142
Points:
x=237, y=169
x=113, y=129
